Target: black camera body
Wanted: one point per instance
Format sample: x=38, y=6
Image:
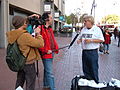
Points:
x=35, y=21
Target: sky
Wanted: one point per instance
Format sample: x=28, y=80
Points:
x=103, y=7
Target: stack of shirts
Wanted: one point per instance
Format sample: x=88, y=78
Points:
x=114, y=83
x=91, y=83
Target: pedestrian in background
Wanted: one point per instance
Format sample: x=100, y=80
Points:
x=90, y=38
x=107, y=42
x=28, y=46
x=115, y=32
x=48, y=51
x=119, y=39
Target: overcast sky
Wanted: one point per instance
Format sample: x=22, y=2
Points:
x=104, y=7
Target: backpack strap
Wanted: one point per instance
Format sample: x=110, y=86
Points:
x=28, y=53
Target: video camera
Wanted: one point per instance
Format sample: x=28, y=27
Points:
x=35, y=21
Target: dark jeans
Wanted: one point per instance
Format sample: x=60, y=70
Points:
x=90, y=64
x=28, y=74
x=118, y=41
x=115, y=36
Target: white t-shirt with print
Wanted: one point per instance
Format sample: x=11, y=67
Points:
x=93, y=33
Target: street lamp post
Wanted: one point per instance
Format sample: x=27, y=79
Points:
x=77, y=13
x=93, y=7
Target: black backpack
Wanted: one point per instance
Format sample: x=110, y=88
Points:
x=74, y=83
x=14, y=58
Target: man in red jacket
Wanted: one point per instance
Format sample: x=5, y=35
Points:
x=48, y=51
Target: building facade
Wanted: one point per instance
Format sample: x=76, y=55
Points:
x=10, y=8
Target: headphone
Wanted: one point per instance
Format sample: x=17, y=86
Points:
x=45, y=16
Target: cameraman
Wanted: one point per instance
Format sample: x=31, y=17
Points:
x=28, y=46
x=47, y=51
x=90, y=38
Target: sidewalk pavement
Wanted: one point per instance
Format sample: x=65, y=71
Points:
x=67, y=64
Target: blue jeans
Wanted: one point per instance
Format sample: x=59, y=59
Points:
x=48, y=74
x=106, y=47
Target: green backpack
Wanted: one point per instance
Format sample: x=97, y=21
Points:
x=14, y=58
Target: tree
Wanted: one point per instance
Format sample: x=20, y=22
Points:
x=71, y=19
x=111, y=19
x=68, y=20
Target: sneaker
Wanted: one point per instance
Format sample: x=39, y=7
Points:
x=107, y=52
x=104, y=52
x=19, y=88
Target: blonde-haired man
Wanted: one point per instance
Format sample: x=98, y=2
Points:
x=90, y=38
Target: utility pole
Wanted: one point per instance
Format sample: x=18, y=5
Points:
x=5, y=25
x=93, y=7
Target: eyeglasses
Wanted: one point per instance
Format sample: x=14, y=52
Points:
x=86, y=20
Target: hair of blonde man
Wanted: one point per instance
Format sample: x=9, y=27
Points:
x=89, y=18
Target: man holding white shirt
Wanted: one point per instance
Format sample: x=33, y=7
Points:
x=90, y=38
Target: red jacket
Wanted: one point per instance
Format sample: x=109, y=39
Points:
x=107, y=38
x=47, y=36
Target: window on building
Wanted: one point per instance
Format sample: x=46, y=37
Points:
x=11, y=11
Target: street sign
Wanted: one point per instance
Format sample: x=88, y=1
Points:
x=62, y=18
x=47, y=7
x=56, y=14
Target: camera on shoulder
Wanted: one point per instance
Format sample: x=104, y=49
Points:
x=35, y=21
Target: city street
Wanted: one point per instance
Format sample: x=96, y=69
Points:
x=65, y=18
x=67, y=64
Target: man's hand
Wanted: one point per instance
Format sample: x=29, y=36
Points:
x=88, y=40
x=49, y=52
x=37, y=31
x=78, y=41
x=35, y=15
